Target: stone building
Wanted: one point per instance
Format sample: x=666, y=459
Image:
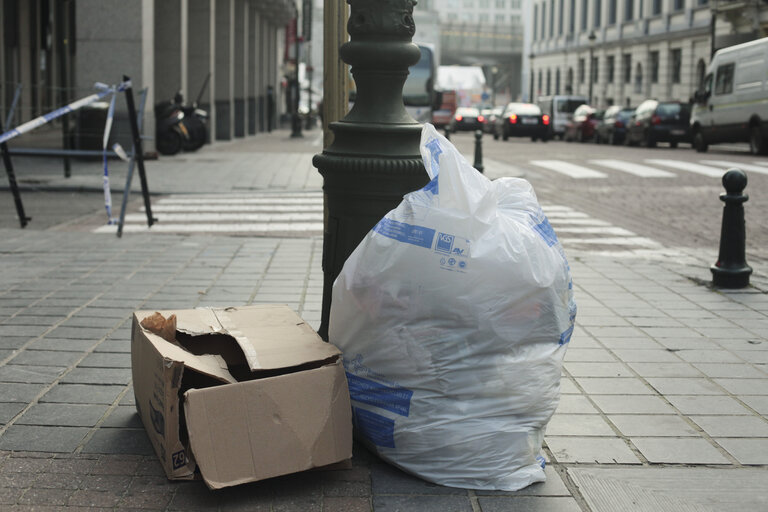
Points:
x=625, y=51
x=57, y=50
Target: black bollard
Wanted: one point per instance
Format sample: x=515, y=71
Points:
x=447, y=130
x=731, y=269
x=478, y=151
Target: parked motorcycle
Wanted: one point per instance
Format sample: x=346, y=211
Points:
x=195, y=120
x=170, y=130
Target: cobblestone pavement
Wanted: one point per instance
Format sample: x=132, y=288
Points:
x=664, y=393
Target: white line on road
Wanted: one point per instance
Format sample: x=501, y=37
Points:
x=712, y=172
x=645, y=242
x=314, y=227
x=232, y=208
x=226, y=217
x=576, y=222
x=569, y=169
x=632, y=168
x=603, y=230
x=242, y=200
x=744, y=167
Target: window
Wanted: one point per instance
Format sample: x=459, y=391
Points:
x=557, y=81
x=535, y=22
x=572, y=18
x=701, y=68
x=626, y=66
x=560, y=18
x=598, y=13
x=501, y=4
x=594, y=69
x=724, y=79
x=499, y=19
x=703, y=2
x=581, y=71
x=677, y=63
x=609, y=68
x=629, y=7
x=485, y=4
x=656, y=7
x=611, y=12
x=551, y=18
x=483, y=17
x=569, y=81
x=541, y=83
x=654, y=64
x=469, y=4
x=678, y=5
x=583, y=14
x=638, y=78
x=549, y=82
x=543, y=23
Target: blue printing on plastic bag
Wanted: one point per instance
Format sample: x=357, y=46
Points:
x=379, y=429
x=393, y=399
x=544, y=228
x=416, y=235
x=435, y=150
x=432, y=186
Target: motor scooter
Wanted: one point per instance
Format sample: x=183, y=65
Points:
x=170, y=131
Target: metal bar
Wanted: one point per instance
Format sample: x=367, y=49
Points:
x=61, y=152
x=23, y=219
x=131, y=165
x=138, y=151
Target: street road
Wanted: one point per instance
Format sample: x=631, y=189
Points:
x=663, y=194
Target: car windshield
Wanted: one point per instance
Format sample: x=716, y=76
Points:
x=625, y=113
x=673, y=110
x=526, y=109
x=467, y=112
x=568, y=106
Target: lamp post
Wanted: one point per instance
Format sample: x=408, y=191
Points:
x=530, y=67
x=592, y=37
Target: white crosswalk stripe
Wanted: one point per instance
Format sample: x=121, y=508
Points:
x=643, y=171
x=267, y=214
x=706, y=170
x=569, y=169
x=739, y=165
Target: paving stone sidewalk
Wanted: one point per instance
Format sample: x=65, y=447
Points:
x=664, y=393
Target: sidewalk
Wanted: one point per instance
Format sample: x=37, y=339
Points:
x=664, y=393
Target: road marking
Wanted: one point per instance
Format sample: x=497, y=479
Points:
x=633, y=168
x=712, y=172
x=744, y=167
x=601, y=230
x=306, y=228
x=228, y=217
x=636, y=241
x=569, y=169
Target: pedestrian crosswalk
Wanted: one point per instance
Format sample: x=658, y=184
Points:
x=649, y=168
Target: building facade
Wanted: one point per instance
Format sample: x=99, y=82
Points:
x=229, y=52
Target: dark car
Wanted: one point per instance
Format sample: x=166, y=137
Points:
x=467, y=118
x=581, y=127
x=521, y=120
x=659, y=121
x=613, y=127
x=490, y=118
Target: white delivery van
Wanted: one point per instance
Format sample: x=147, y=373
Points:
x=560, y=111
x=731, y=104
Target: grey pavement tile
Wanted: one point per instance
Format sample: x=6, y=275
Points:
x=746, y=451
x=30, y=374
x=728, y=370
x=19, y=392
x=82, y=394
x=732, y=426
x=601, y=369
x=756, y=402
x=91, y=321
x=124, y=416
x=744, y=386
x=132, y=441
x=552, y=486
x=13, y=342
x=528, y=504
x=678, y=450
x=578, y=425
x=722, y=332
x=614, y=386
x=67, y=415
x=632, y=404
x=646, y=322
x=600, y=450
x=698, y=404
x=29, y=331
x=388, y=479
x=653, y=425
x=61, y=345
x=121, y=345
x=42, y=438
x=53, y=358
x=661, y=369
x=81, y=375
x=594, y=318
x=615, y=332
x=654, y=355
x=685, y=386
x=106, y=360
x=396, y=503
x=567, y=386
x=709, y=356
x=80, y=333
x=575, y=404
x=643, y=343
x=671, y=332
x=9, y=410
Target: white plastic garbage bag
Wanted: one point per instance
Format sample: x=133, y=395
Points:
x=453, y=315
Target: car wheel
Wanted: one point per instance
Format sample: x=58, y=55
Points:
x=698, y=142
x=495, y=135
x=648, y=141
x=505, y=135
x=757, y=145
x=611, y=139
x=673, y=145
x=598, y=138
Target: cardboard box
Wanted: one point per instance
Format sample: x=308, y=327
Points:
x=243, y=393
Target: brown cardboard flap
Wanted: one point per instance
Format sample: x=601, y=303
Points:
x=268, y=427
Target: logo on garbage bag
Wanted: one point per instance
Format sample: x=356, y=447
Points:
x=444, y=243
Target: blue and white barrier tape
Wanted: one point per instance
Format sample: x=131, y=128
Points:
x=106, y=90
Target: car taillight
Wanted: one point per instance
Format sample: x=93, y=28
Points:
x=513, y=118
x=618, y=124
x=656, y=120
x=481, y=119
x=459, y=117
x=545, y=119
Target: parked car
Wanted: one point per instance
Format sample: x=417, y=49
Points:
x=522, y=120
x=560, y=110
x=659, y=121
x=731, y=106
x=490, y=119
x=581, y=127
x=467, y=118
x=612, y=128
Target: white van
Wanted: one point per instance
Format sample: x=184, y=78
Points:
x=560, y=111
x=732, y=102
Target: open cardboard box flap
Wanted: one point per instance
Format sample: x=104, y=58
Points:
x=241, y=393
